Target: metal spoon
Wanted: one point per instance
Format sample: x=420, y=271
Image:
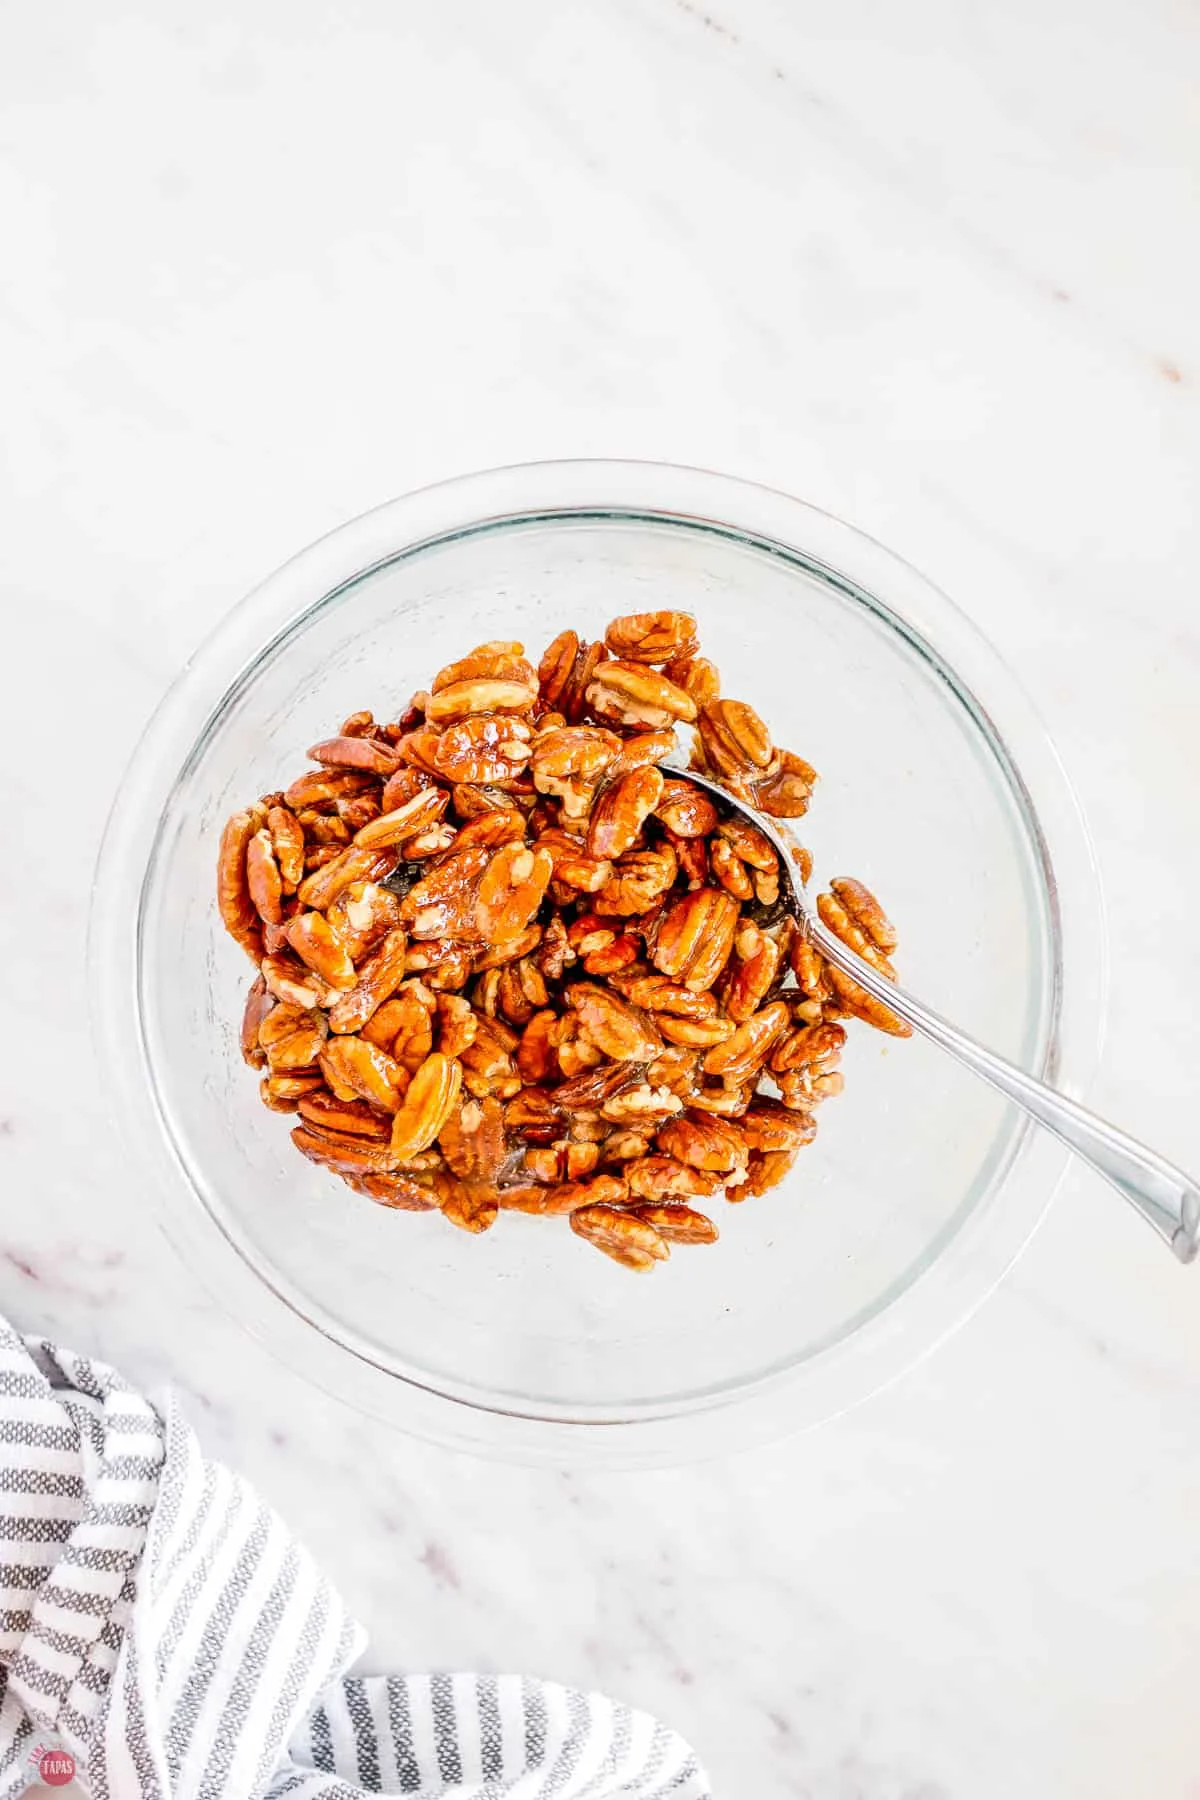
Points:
x=1167, y=1198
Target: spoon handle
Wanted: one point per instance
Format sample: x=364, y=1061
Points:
x=1166, y=1197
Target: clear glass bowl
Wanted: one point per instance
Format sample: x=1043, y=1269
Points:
x=939, y=788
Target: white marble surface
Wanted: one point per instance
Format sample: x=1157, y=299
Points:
x=933, y=267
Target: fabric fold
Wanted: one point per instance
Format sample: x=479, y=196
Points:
x=160, y=1622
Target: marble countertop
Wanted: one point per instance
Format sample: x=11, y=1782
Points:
x=931, y=267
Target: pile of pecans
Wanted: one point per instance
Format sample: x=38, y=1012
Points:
x=507, y=963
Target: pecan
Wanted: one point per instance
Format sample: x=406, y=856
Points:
x=621, y=811
x=704, y=1142
x=537, y=1057
x=632, y=694
x=628, y=1240
x=639, y=878
x=287, y=841
x=484, y=748
x=259, y=1002
x=472, y=1139
x=640, y=752
x=488, y=1066
x=567, y=1196
x=353, y=1118
x=239, y=915
x=408, y=1016
x=457, y=1024
x=614, y=1027
x=658, y=1178
x=511, y=891
x=445, y=964
x=678, y=1224
x=501, y=659
x=730, y=870
x=283, y=1093
x=491, y=829
x=860, y=904
x=685, y=810
x=735, y=740
x=431, y=1097
x=322, y=787
x=359, y=753
x=767, y=1125
x=288, y=979
x=442, y=903
x=766, y=1169
x=757, y=964
x=291, y=1038
x=853, y=932
x=653, y=637
x=404, y=1193
x=743, y=1054
x=317, y=944
x=416, y=814
x=565, y=671
x=696, y=937
x=463, y=699
x=343, y=1155
x=321, y=830
x=508, y=950
x=362, y=916
x=697, y=676
x=471, y=802
x=366, y=1070
x=469, y=1205
x=322, y=887
x=378, y=979
x=785, y=794
x=641, y=1106
x=697, y=1034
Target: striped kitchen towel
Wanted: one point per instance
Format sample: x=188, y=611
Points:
x=160, y=1624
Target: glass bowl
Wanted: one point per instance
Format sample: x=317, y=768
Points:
x=939, y=789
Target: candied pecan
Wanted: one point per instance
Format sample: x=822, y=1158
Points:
x=378, y=979
x=409, y=1018
x=354, y=864
x=317, y=944
x=565, y=1197
x=445, y=964
x=491, y=828
x=862, y=906
x=362, y=916
x=704, y=1142
x=488, y=1066
x=321, y=830
x=641, y=751
x=615, y=1028
x=785, y=793
x=537, y=1057
x=652, y=637
x=471, y=802
x=472, y=1206
x=565, y=671
x=508, y=950
x=442, y=903
x=511, y=891
x=641, y=1106
x=685, y=810
x=283, y=1093
x=288, y=979
x=291, y=1038
x=322, y=787
x=367, y=1070
x=627, y=1240
x=735, y=740
x=766, y=1169
x=472, y=1139
x=754, y=972
x=743, y=1054
x=402, y=1192
x=463, y=699
x=353, y=1118
x=287, y=841
x=768, y=1125
x=697, y=1034
x=416, y=814
x=697, y=676
x=639, y=878
x=678, y=1224
x=457, y=1024
x=633, y=694
x=658, y=1178
x=483, y=749
x=426, y=1106
x=620, y=812
x=239, y=915
x=344, y=1155
x=358, y=753
x=696, y=937
x=259, y=1002
x=729, y=869
x=851, y=996
x=500, y=659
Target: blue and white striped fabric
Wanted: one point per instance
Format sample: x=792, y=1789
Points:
x=159, y=1622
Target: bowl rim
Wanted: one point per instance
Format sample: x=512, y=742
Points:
x=943, y=1294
